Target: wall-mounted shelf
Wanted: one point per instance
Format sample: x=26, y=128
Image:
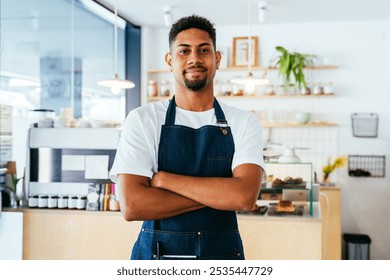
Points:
x=292, y=124
x=242, y=97
x=261, y=68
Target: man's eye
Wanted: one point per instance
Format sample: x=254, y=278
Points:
x=183, y=51
x=204, y=51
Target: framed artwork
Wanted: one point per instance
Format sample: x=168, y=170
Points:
x=241, y=55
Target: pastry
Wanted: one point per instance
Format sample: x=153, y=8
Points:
x=277, y=183
x=288, y=180
x=297, y=181
x=285, y=206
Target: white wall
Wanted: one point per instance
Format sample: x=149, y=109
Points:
x=361, y=50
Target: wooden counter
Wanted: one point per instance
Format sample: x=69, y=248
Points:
x=77, y=234
x=331, y=222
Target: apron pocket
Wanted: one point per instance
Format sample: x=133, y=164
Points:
x=168, y=245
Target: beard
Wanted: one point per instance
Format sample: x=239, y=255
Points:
x=195, y=85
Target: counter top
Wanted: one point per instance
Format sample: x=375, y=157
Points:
x=250, y=216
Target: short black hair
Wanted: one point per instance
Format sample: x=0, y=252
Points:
x=193, y=21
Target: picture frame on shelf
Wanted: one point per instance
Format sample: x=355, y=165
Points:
x=240, y=55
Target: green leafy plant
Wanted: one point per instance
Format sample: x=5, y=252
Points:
x=15, y=181
x=332, y=166
x=292, y=63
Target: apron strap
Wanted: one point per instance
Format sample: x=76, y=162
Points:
x=171, y=114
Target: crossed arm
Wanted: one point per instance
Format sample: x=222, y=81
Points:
x=168, y=195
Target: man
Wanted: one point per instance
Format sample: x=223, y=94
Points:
x=204, y=159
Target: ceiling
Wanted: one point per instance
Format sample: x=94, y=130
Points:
x=235, y=12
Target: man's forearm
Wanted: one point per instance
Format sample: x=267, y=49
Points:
x=237, y=193
x=141, y=202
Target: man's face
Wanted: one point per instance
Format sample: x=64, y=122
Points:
x=193, y=59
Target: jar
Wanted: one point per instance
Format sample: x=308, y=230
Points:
x=165, y=89
x=81, y=202
x=238, y=90
x=33, y=200
x=52, y=201
x=152, y=88
x=42, y=201
x=72, y=202
x=280, y=90
x=226, y=88
x=318, y=88
x=270, y=90
x=329, y=88
x=62, y=201
x=305, y=90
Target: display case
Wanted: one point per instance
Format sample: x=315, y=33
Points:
x=288, y=182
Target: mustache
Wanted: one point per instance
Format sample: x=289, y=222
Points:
x=195, y=68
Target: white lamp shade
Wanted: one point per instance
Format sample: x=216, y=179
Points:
x=250, y=80
x=116, y=84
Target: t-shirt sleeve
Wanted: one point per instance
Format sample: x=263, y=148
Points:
x=133, y=155
x=249, y=143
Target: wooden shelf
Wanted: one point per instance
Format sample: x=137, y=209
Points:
x=260, y=68
x=242, y=97
x=292, y=124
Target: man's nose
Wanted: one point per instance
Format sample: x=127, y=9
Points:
x=195, y=58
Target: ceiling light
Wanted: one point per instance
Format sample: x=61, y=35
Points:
x=263, y=11
x=116, y=84
x=250, y=79
x=168, y=17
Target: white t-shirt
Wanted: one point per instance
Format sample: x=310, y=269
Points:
x=138, y=146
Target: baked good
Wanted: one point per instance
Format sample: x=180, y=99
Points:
x=297, y=181
x=288, y=180
x=277, y=183
x=285, y=206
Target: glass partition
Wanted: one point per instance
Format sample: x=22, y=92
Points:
x=53, y=52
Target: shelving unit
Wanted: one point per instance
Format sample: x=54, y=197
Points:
x=242, y=97
x=263, y=68
x=293, y=124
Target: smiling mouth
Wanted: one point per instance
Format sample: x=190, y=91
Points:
x=195, y=70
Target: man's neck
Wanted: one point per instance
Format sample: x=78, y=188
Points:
x=197, y=101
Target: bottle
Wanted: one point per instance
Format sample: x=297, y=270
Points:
x=152, y=88
x=114, y=202
x=106, y=199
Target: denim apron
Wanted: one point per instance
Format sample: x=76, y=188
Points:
x=206, y=233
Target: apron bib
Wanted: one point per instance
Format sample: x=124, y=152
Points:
x=206, y=233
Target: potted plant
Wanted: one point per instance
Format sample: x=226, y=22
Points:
x=292, y=63
x=332, y=166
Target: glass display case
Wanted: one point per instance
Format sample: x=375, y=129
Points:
x=289, y=188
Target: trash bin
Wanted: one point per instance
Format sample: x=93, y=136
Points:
x=357, y=246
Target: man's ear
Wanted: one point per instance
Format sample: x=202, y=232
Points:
x=218, y=57
x=168, y=60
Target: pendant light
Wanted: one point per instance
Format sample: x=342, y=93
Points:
x=250, y=80
x=116, y=84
